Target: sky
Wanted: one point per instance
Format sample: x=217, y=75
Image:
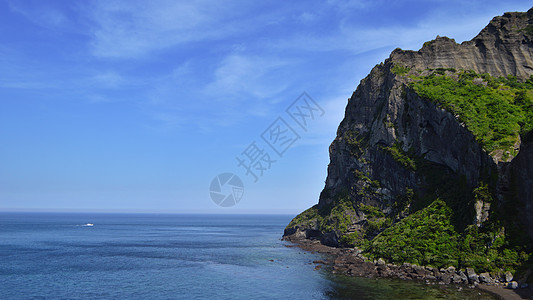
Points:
x=138, y=106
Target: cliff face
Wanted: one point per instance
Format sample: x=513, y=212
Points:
x=522, y=183
x=396, y=151
x=501, y=48
x=383, y=112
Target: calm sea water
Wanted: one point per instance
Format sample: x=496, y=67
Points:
x=150, y=256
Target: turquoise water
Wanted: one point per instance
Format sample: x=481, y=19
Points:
x=150, y=256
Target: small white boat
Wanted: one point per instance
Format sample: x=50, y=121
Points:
x=89, y=224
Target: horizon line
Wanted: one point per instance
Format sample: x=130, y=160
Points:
x=252, y=212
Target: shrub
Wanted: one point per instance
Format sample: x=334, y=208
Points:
x=400, y=70
x=496, y=113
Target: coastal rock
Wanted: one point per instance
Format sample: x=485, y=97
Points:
x=446, y=278
x=472, y=276
x=421, y=271
x=457, y=278
x=481, y=212
x=349, y=262
x=308, y=230
x=508, y=276
x=485, y=278
x=464, y=278
x=513, y=285
x=330, y=239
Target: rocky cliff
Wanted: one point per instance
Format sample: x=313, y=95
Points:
x=417, y=130
x=522, y=183
x=500, y=49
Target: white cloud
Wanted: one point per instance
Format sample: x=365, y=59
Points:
x=350, y=5
x=240, y=76
x=356, y=40
x=44, y=16
x=136, y=28
x=109, y=79
x=307, y=17
x=355, y=37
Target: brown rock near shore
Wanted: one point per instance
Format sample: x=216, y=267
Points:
x=350, y=262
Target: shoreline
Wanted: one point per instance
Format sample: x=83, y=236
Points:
x=349, y=262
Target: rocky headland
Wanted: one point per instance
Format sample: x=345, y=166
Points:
x=431, y=172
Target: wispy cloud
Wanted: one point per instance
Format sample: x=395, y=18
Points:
x=224, y=60
x=242, y=77
x=109, y=79
x=136, y=28
x=238, y=86
x=356, y=39
x=46, y=16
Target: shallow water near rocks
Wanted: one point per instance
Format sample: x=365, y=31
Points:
x=158, y=256
x=372, y=289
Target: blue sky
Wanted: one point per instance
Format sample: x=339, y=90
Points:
x=136, y=106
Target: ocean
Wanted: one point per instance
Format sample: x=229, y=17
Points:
x=172, y=256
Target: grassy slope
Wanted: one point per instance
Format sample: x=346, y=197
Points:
x=495, y=110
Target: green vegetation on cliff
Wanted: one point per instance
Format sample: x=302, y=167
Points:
x=439, y=232
x=400, y=70
x=436, y=221
x=338, y=216
x=428, y=237
x=495, y=110
x=335, y=217
x=400, y=156
x=306, y=217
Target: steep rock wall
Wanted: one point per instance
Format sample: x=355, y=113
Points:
x=385, y=120
x=504, y=47
x=522, y=184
